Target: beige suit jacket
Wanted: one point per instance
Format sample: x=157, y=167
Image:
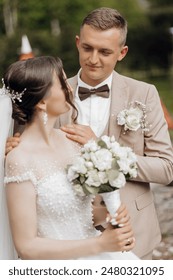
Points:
x=154, y=152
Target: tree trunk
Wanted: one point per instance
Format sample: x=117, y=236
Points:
x=10, y=16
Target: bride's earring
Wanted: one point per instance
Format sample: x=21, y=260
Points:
x=45, y=118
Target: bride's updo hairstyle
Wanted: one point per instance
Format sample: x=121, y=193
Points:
x=33, y=79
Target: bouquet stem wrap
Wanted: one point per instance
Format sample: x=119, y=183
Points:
x=112, y=201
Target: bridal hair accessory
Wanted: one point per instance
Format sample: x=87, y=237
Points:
x=45, y=118
x=103, y=167
x=14, y=95
x=134, y=117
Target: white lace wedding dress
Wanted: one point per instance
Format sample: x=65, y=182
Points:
x=62, y=214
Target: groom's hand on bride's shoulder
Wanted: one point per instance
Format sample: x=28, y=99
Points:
x=79, y=133
x=12, y=142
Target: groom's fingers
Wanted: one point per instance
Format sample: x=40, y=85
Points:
x=12, y=142
x=78, y=133
x=76, y=138
x=69, y=128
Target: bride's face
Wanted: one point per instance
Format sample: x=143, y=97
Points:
x=56, y=102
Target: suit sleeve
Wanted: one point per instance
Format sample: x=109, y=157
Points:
x=156, y=165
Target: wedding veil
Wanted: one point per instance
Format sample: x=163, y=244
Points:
x=7, y=251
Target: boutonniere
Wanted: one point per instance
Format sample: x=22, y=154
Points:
x=134, y=118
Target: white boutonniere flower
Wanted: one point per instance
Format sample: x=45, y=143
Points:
x=134, y=117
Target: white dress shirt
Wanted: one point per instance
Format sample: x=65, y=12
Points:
x=95, y=110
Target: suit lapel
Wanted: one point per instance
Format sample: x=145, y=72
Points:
x=119, y=100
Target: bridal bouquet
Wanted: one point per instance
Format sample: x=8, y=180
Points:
x=102, y=167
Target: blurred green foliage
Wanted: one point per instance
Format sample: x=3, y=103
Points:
x=51, y=27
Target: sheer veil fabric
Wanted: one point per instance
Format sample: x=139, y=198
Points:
x=7, y=251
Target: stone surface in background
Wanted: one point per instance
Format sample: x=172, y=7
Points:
x=164, y=206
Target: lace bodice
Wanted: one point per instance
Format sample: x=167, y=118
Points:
x=61, y=214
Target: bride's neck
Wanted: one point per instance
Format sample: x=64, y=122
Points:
x=38, y=131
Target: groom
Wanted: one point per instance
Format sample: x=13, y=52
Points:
x=101, y=44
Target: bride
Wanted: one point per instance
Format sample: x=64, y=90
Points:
x=47, y=219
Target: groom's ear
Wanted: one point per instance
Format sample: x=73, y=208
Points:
x=41, y=105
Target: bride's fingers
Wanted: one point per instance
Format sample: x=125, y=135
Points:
x=121, y=217
x=119, y=222
x=130, y=243
x=122, y=221
x=122, y=212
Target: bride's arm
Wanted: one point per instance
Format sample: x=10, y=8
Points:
x=21, y=199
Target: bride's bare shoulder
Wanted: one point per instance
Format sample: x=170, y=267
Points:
x=18, y=155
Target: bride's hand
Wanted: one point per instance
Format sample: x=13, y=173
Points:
x=119, y=239
x=12, y=142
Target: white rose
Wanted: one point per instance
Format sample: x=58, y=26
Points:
x=132, y=158
x=93, y=178
x=79, y=166
x=103, y=177
x=86, y=155
x=119, y=181
x=115, y=147
x=79, y=190
x=133, y=119
x=91, y=146
x=71, y=174
x=121, y=118
x=124, y=165
x=89, y=165
x=102, y=159
x=106, y=139
x=133, y=172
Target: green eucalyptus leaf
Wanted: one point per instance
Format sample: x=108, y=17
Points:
x=112, y=174
x=102, y=144
x=114, y=165
x=82, y=179
x=76, y=181
x=90, y=189
x=105, y=188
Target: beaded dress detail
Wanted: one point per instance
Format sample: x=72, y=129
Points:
x=61, y=214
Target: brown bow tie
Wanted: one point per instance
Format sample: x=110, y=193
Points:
x=102, y=91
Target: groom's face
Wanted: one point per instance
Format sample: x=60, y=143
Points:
x=99, y=52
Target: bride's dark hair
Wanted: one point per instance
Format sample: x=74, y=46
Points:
x=35, y=75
